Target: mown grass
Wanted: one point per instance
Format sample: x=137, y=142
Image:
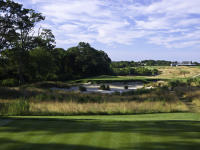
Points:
x=132, y=132
x=166, y=73
x=109, y=79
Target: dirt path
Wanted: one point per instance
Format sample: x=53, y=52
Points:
x=4, y=122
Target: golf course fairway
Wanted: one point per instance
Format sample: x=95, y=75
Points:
x=171, y=131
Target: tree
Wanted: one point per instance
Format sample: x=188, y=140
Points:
x=83, y=60
x=7, y=32
x=8, y=67
x=60, y=61
x=42, y=66
x=18, y=24
x=45, y=39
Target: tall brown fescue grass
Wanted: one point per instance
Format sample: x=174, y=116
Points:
x=49, y=102
x=192, y=94
x=168, y=72
x=196, y=102
x=74, y=108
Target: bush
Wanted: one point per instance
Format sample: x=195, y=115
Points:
x=82, y=88
x=51, y=85
x=140, y=71
x=126, y=87
x=193, y=81
x=104, y=87
x=41, y=97
x=9, y=82
x=137, y=92
x=7, y=93
x=19, y=107
x=176, y=83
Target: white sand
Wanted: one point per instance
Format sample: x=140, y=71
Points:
x=114, y=87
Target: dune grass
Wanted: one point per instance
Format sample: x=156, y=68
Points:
x=48, y=102
x=106, y=108
x=196, y=102
x=132, y=132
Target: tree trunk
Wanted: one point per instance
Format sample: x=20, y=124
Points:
x=20, y=73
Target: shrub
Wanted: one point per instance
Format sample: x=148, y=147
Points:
x=19, y=107
x=176, y=83
x=137, y=92
x=82, y=88
x=9, y=82
x=41, y=97
x=8, y=93
x=104, y=87
x=140, y=71
x=126, y=87
x=193, y=81
x=51, y=85
x=108, y=87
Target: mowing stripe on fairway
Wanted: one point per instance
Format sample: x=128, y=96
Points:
x=138, y=117
x=104, y=134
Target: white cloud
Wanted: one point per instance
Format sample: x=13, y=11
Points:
x=170, y=23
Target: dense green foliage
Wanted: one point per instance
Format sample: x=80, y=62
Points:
x=17, y=24
x=125, y=64
x=56, y=64
x=26, y=57
x=156, y=63
x=84, y=61
x=140, y=71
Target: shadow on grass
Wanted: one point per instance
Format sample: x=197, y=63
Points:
x=17, y=145
x=181, y=145
x=182, y=129
x=185, y=133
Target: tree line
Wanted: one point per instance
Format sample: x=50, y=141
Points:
x=29, y=57
x=123, y=64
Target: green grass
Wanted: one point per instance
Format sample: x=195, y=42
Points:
x=107, y=78
x=167, y=73
x=133, y=132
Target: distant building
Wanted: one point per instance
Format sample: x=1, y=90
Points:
x=183, y=63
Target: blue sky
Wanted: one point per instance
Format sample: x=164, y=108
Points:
x=126, y=29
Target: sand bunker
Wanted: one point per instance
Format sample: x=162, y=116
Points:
x=114, y=87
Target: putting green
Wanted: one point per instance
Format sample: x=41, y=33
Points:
x=134, y=132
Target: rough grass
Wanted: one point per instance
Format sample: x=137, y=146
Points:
x=196, y=102
x=48, y=102
x=176, y=72
x=136, y=132
x=73, y=108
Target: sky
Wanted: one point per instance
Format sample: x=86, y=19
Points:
x=125, y=29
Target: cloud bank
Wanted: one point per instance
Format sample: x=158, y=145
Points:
x=168, y=23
